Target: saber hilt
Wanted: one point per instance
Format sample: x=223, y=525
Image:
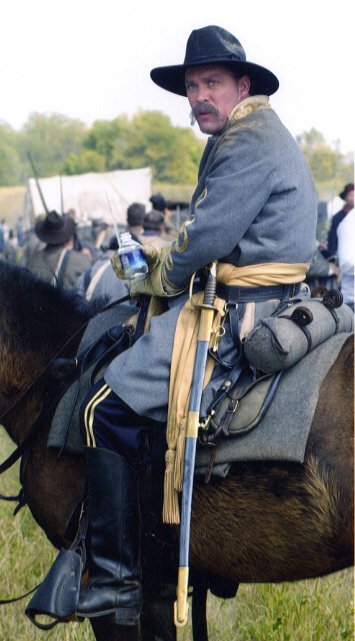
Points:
x=210, y=289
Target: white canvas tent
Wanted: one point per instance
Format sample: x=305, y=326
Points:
x=93, y=196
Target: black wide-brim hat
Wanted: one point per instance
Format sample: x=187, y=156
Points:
x=211, y=46
x=54, y=229
x=347, y=188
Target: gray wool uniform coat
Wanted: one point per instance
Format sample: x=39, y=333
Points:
x=100, y=281
x=255, y=202
x=45, y=263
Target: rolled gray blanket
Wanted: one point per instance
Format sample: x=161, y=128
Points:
x=279, y=342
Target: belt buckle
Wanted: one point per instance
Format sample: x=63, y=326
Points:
x=232, y=407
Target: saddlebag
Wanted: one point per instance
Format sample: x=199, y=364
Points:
x=240, y=409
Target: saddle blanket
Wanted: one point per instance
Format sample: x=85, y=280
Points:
x=281, y=435
x=283, y=432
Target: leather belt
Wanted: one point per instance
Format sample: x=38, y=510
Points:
x=232, y=293
x=238, y=295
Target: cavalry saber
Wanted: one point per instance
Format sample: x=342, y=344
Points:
x=181, y=606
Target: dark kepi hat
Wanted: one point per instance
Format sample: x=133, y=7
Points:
x=347, y=188
x=54, y=229
x=210, y=46
x=153, y=220
x=158, y=201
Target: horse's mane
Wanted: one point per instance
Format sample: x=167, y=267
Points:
x=36, y=311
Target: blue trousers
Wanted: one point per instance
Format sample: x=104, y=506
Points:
x=107, y=422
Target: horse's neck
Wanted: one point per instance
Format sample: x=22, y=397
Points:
x=27, y=380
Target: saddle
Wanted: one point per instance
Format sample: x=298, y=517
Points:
x=238, y=410
x=252, y=400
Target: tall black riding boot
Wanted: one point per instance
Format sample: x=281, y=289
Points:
x=114, y=570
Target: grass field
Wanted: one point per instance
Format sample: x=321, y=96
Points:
x=314, y=610
x=11, y=203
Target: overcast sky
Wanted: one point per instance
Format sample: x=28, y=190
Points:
x=90, y=59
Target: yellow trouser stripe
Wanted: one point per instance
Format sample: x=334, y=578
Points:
x=90, y=411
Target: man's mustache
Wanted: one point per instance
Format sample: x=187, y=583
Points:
x=203, y=108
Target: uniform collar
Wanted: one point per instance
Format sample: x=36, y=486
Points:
x=248, y=106
x=242, y=109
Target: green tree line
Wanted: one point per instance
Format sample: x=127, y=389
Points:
x=62, y=145
x=330, y=169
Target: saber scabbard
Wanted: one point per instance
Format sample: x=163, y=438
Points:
x=207, y=311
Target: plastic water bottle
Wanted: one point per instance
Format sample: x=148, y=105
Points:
x=132, y=258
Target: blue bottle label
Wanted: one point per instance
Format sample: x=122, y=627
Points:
x=134, y=263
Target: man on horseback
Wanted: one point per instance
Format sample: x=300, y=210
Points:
x=254, y=210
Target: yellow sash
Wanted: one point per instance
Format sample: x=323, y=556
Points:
x=183, y=358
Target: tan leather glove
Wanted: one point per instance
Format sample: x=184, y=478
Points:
x=117, y=266
x=151, y=255
x=155, y=283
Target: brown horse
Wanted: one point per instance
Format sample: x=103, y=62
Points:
x=241, y=525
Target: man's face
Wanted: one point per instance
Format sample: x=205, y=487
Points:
x=212, y=93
